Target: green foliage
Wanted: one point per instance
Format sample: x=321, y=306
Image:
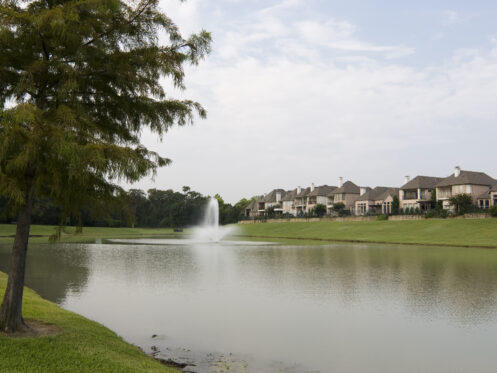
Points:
x=319, y=210
x=461, y=203
x=84, y=77
x=339, y=208
x=270, y=213
x=395, y=205
x=382, y=217
x=493, y=211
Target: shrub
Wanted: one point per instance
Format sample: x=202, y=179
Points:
x=493, y=211
x=382, y=217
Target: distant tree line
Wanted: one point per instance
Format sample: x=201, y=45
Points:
x=134, y=208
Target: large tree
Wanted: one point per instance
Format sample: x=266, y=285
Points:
x=79, y=81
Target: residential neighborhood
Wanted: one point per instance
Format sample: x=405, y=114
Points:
x=420, y=194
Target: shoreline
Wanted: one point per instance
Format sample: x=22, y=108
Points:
x=80, y=345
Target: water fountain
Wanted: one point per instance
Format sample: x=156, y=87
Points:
x=209, y=230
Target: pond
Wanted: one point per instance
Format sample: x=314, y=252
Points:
x=283, y=308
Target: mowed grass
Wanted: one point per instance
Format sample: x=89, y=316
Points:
x=451, y=232
x=41, y=233
x=81, y=346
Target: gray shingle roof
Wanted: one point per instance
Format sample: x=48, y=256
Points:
x=378, y=193
x=271, y=197
x=485, y=195
x=422, y=182
x=348, y=188
x=494, y=188
x=467, y=177
x=323, y=190
x=290, y=195
x=304, y=193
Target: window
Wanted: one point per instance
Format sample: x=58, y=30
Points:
x=462, y=189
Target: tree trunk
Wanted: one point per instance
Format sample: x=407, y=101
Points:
x=11, y=319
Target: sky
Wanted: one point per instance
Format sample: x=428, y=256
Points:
x=306, y=91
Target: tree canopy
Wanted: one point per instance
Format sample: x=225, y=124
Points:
x=79, y=81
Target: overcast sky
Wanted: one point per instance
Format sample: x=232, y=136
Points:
x=302, y=91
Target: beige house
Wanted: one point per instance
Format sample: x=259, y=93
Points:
x=275, y=200
x=473, y=183
x=417, y=193
x=318, y=195
x=493, y=195
x=483, y=201
x=301, y=200
x=376, y=201
x=288, y=202
x=346, y=193
x=252, y=209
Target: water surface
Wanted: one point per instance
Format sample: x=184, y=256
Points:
x=281, y=308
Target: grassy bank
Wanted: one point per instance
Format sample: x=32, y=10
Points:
x=81, y=346
x=41, y=233
x=453, y=232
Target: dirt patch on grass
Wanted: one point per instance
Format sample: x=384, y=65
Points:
x=34, y=329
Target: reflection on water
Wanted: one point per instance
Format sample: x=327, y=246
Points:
x=343, y=308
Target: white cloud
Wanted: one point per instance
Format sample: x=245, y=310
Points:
x=449, y=17
x=283, y=111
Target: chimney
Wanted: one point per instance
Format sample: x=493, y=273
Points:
x=407, y=179
x=363, y=191
x=299, y=190
x=457, y=171
x=278, y=196
x=340, y=182
x=312, y=187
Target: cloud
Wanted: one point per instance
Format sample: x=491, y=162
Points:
x=298, y=101
x=450, y=17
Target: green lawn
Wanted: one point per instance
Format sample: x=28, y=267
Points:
x=89, y=234
x=453, y=232
x=82, y=346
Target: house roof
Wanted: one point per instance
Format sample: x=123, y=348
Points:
x=323, y=190
x=422, y=182
x=467, y=177
x=252, y=205
x=290, y=195
x=348, y=188
x=485, y=195
x=378, y=193
x=304, y=193
x=494, y=188
x=271, y=197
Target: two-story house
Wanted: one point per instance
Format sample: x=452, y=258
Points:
x=463, y=182
x=417, y=193
x=346, y=193
x=376, y=201
x=301, y=200
x=288, y=202
x=318, y=195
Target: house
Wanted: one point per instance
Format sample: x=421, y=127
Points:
x=493, y=195
x=416, y=194
x=301, y=200
x=288, y=202
x=346, y=193
x=463, y=182
x=376, y=201
x=483, y=201
x=251, y=210
x=318, y=195
x=274, y=200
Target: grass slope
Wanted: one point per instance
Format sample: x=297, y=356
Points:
x=82, y=346
x=89, y=234
x=453, y=232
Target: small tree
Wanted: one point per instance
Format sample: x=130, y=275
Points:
x=339, y=208
x=461, y=203
x=320, y=210
x=270, y=212
x=395, y=205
